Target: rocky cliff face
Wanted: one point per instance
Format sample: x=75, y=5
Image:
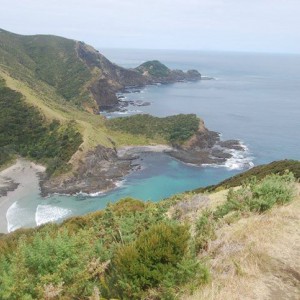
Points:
x=110, y=78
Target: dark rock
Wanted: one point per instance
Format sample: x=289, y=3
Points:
x=99, y=171
x=7, y=185
x=232, y=144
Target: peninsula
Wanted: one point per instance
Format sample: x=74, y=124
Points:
x=55, y=88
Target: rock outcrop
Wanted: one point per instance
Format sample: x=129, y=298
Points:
x=112, y=78
x=99, y=171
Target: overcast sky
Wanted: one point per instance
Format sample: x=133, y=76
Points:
x=238, y=25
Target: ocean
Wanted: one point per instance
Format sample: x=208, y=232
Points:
x=254, y=98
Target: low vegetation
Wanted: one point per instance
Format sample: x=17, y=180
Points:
x=154, y=68
x=174, y=129
x=260, y=172
x=130, y=250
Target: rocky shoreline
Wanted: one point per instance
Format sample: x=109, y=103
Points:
x=104, y=167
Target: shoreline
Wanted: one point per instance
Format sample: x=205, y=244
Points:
x=18, y=180
x=15, y=181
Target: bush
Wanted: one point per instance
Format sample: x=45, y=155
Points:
x=154, y=259
x=60, y=263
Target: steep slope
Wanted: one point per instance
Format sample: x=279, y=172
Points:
x=256, y=257
x=76, y=71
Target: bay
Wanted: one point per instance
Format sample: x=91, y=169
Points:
x=254, y=98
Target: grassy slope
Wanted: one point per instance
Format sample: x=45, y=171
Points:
x=53, y=106
x=50, y=59
x=258, y=171
x=256, y=257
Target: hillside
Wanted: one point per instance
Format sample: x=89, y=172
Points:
x=226, y=245
x=75, y=71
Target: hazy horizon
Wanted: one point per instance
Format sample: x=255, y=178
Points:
x=261, y=26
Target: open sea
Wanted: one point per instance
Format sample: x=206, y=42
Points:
x=254, y=98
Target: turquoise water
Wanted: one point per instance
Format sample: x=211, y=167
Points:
x=255, y=98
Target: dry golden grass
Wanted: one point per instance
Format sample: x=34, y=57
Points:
x=257, y=257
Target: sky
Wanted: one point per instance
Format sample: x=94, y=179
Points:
x=220, y=25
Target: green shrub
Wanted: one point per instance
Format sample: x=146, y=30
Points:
x=62, y=262
x=154, y=259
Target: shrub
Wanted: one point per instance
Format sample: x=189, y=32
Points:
x=59, y=263
x=154, y=259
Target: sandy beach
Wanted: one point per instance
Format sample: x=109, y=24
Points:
x=15, y=181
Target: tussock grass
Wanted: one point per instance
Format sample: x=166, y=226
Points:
x=255, y=257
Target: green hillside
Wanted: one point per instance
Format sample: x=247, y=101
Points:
x=154, y=68
x=174, y=129
x=50, y=59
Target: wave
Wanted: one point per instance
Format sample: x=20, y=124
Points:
x=12, y=215
x=120, y=183
x=239, y=160
x=48, y=213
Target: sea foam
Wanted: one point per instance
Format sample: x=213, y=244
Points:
x=48, y=213
x=240, y=159
x=12, y=216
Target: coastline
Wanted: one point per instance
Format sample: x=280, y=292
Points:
x=101, y=172
x=15, y=181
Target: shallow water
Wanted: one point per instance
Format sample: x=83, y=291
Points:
x=255, y=98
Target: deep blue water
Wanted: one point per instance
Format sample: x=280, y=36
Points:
x=255, y=98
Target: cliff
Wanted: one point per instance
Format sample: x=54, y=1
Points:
x=74, y=70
